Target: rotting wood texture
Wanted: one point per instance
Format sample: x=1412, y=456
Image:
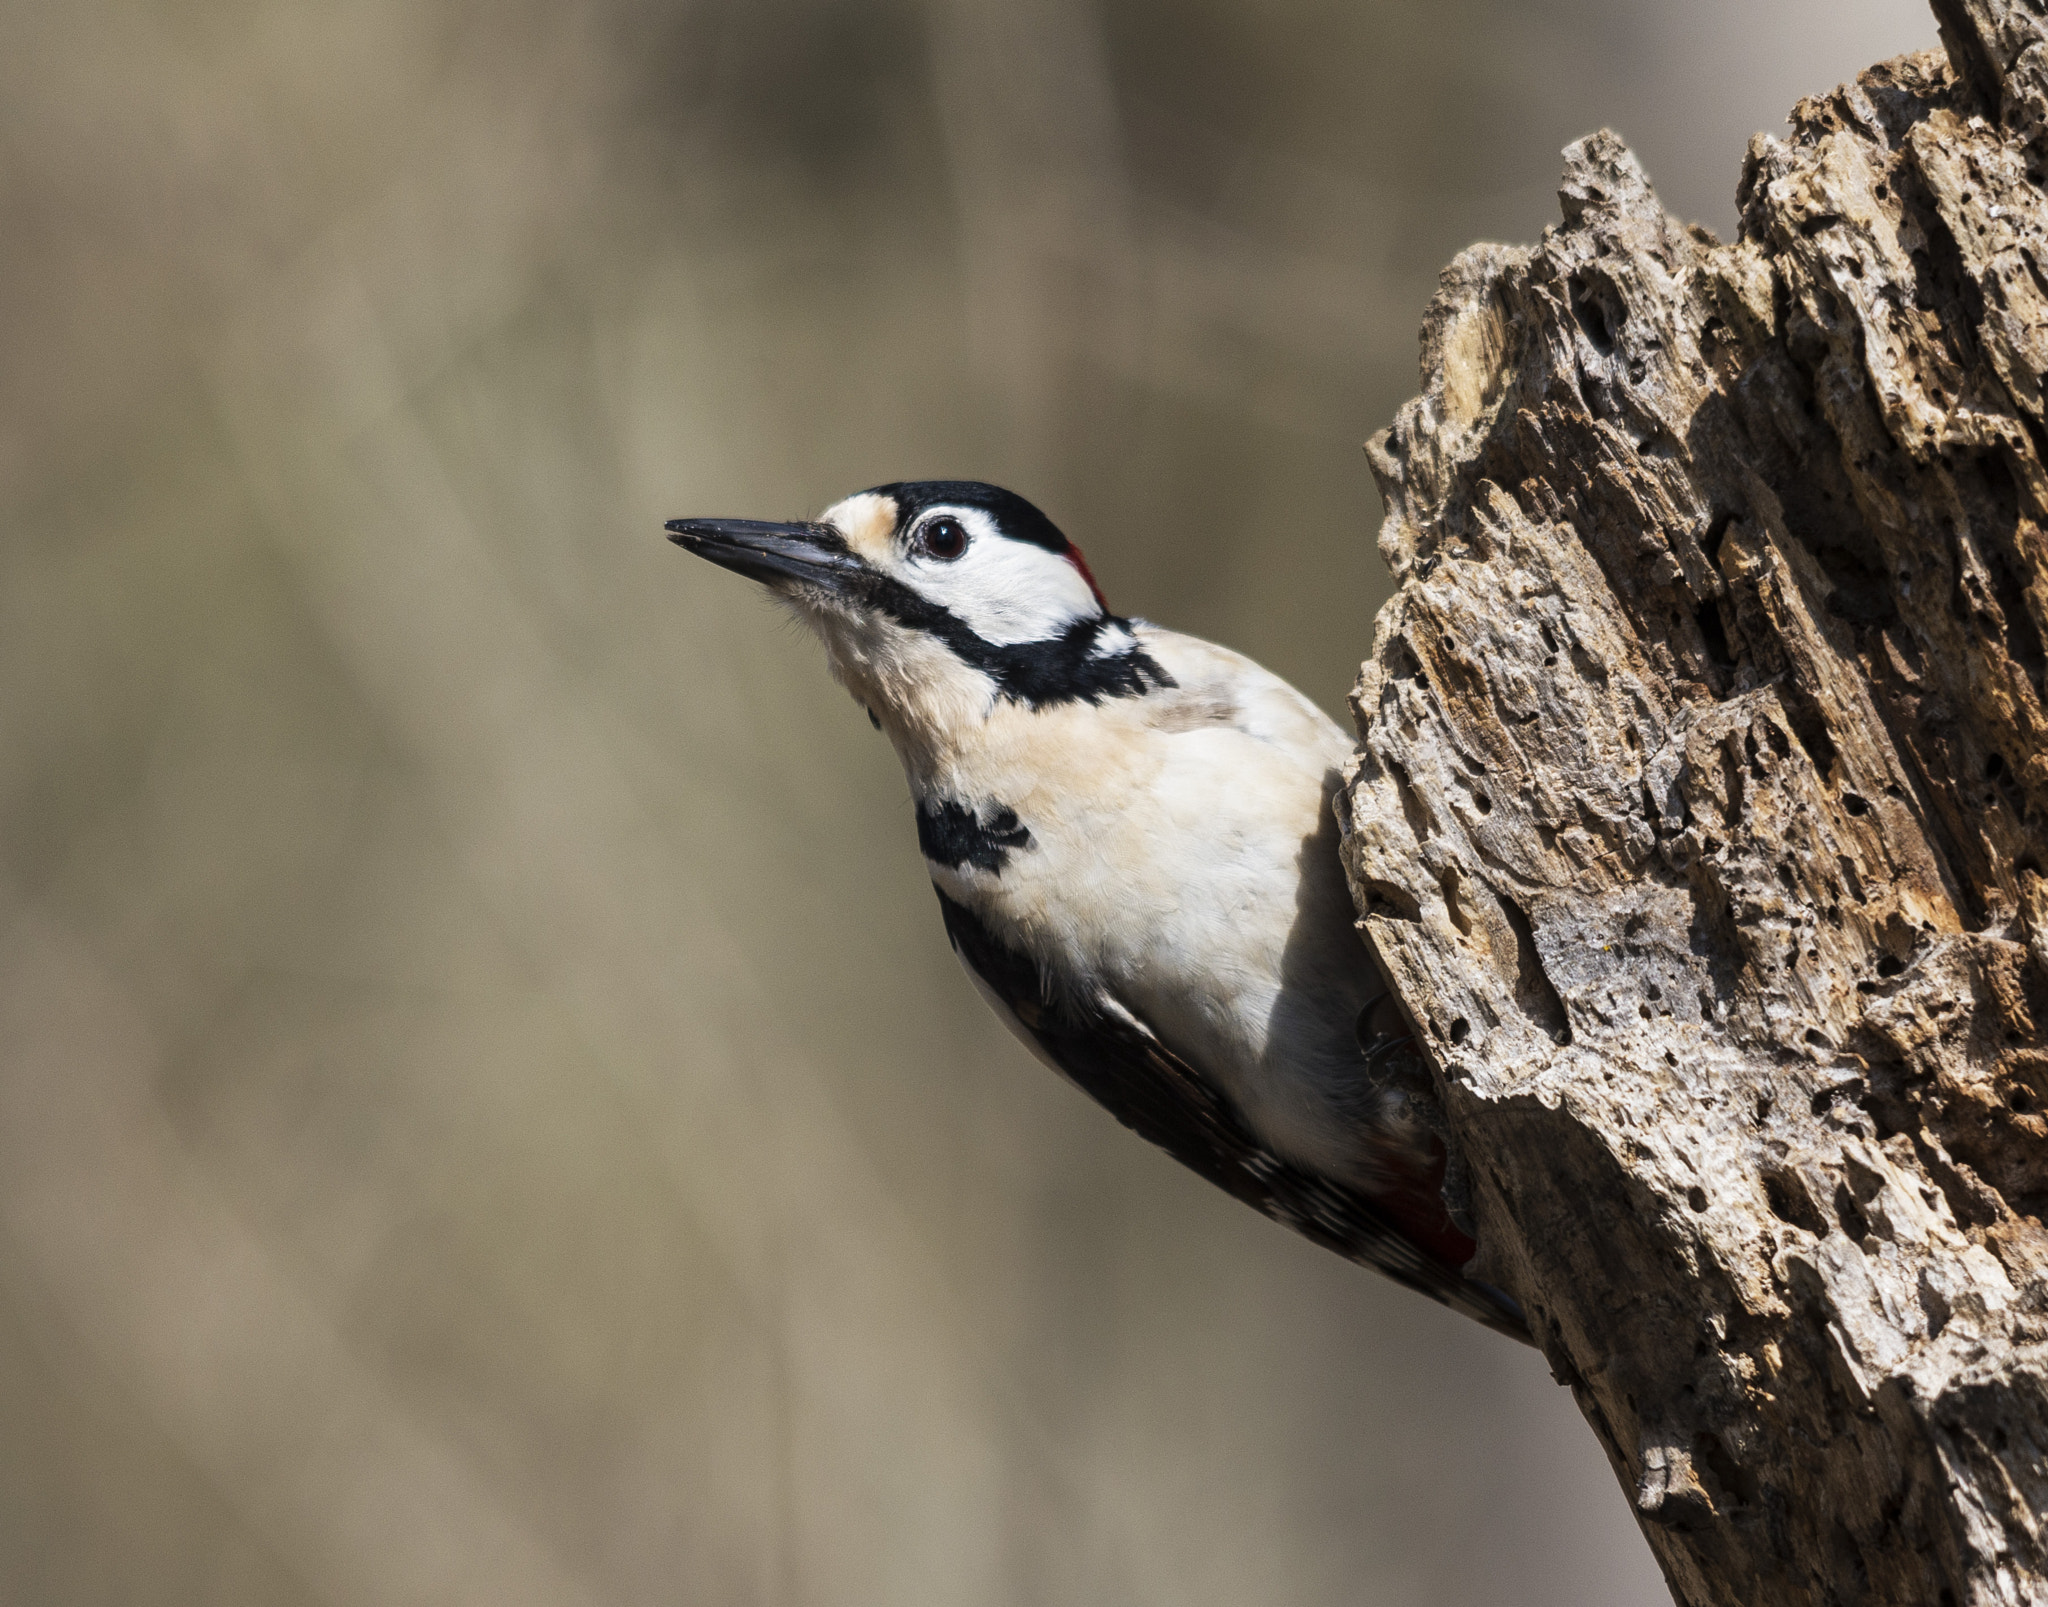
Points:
x=1701, y=814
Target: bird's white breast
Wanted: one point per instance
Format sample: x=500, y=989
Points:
x=1182, y=854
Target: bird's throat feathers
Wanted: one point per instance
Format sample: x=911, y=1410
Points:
x=910, y=685
x=933, y=695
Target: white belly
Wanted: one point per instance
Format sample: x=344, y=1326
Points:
x=1199, y=883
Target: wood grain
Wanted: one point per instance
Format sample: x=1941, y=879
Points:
x=1698, y=823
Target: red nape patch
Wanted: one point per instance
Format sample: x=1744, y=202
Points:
x=1416, y=1203
x=1073, y=556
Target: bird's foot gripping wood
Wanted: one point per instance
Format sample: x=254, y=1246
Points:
x=1699, y=823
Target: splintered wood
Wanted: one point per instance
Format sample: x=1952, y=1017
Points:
x=1701, y=814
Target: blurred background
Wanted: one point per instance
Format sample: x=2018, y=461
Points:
x=487, y=1113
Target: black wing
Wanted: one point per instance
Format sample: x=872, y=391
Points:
x=1118, y=1061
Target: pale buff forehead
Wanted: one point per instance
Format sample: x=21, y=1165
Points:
x=867, y=521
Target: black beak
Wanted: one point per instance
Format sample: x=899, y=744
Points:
x=814, y=554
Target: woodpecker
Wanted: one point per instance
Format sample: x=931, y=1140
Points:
x=1132, y=839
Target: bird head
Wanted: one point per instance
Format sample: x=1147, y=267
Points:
x=939, y=601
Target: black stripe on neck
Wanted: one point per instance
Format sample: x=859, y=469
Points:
x=1062, y=669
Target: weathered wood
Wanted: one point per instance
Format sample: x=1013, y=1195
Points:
x=1699, y=823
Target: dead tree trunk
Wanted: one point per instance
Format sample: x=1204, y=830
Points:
x=1701, y=817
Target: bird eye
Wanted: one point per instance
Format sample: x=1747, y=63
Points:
x=944, y=539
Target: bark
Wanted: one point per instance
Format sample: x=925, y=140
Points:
x=1698, y=823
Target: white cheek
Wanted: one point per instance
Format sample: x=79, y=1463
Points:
x=1008, y=592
